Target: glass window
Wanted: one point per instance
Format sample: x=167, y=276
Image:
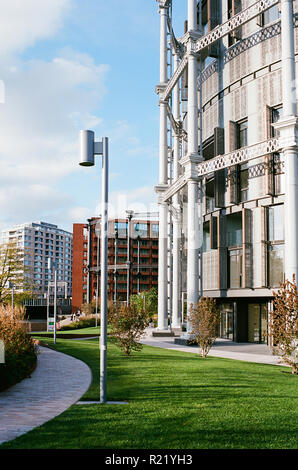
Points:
x=121, y=228
x=155, y=230
x=244, y=184
x=235, y=268
x=270, y=15
x=140, y=229
x=276, y=223
x=206, y=236
x=243, y=129
x=275, y=264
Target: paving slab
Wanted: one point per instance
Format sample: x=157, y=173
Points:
x=249, y=352
x=58, y=382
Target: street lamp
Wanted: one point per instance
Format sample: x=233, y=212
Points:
x=51, y=267
x=129, y=216
x=89, y=148
x=97, y=233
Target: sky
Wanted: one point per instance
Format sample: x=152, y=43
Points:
x=67, y=65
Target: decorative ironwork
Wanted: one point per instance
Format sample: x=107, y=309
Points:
x=174, y=79
x=233, y=23
x=238, y=156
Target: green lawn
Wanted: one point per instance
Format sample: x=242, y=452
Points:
x=176, y=401
x=78, y=331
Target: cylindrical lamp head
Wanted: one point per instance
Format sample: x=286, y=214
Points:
x=86, y=148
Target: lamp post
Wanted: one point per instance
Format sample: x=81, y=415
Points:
x=89, y=148
x=51, y=267
x=97, y=233
x=129, y=216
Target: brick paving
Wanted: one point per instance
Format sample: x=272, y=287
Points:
x=58, y=382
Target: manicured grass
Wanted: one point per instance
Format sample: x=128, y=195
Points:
x=78, y=331
x=176, y=401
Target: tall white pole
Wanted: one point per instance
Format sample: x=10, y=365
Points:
x=191, y=165
x=55, y=302
x=128, y=259
x=176, y=314
x=288, y=128
x=104, y=272
x=163, y=180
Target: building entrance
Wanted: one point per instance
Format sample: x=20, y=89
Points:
x=257, y=323
x=227, y=321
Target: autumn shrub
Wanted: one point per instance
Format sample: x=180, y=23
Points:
x=204, y=318
x=284, y=324
x=20, y=350
x=83, y=322
x=128, y=324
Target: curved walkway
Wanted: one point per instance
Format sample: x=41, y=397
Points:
x=58, y=382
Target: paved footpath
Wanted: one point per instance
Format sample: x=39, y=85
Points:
x=249, y=352
x=58, y=382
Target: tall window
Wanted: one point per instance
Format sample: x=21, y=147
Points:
x=234, y=7
x=234, y=242
x=269, y=16
x=275, y=245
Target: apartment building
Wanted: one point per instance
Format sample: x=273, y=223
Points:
x=40, y=241
x=132, y=259
x=228, y=168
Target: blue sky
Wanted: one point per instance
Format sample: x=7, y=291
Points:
x=68, y=65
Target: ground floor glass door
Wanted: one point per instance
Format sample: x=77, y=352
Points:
x=257, y=323
x=227, y=321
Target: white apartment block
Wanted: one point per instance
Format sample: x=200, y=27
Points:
x=40, y=241
x=228, y=169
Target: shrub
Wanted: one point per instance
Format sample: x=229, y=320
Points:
x=20, y=350
x=128, y=324
x=204, y=318
x=284, y=324
x=83, y=322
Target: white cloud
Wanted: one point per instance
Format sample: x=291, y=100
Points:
x=22, y=22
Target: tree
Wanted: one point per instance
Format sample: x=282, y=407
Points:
x=147, y=301
x=128, y=324
x=12, y=269
x=284, y=324
x=205, y=318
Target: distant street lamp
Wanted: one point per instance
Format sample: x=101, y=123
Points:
x=97, y=233
x=51, y=267
x=129, y=216
x=89, y=148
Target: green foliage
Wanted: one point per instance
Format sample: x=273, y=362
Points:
x=146, y=301
x=205, y=318
x=20, y=350
x=128, y=324
x=83, y=322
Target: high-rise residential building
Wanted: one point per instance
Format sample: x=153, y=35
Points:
x=40, y=241
x=228, y=160
x=132, y=259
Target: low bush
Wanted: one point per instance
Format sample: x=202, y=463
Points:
x=83, y=322
x=20, y=350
